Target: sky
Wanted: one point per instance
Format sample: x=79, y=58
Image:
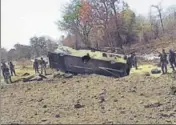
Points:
x=23, y=19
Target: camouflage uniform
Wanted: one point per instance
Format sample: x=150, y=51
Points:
x=164, y=62
x=43, y=66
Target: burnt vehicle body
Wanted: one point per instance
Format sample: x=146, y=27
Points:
x=76, y=65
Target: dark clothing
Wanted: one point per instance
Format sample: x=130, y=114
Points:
x=129, y=65
x=134, y=60
x=12, y=68
x=6, y=74
x=36, y=66
x=172, y=61
x=163, y=57
x=163, y=62
x=172, y=56
x=43, y=67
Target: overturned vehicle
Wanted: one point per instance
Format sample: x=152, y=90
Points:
x=87, y=62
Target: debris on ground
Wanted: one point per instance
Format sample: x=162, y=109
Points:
x=26, y=74
x=78, y=106
x=155, y=71
x=173, y=90
x=147, y=74
x=153, y=104
x=68, y=75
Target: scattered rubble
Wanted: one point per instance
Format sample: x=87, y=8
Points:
x=147, y=74
x=153, y=104
x=155, y=71
x=77, y=106
x=173, y=90
x=57, y=116
x=26, y=74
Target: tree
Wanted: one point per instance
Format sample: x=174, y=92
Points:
x=77, y=20
x=3, y=53
x=159, y=9
x=22, y=51
x=41, y=45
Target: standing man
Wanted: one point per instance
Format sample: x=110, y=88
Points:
x=12, y=68
x=134, y=60
x=43, y=66
x=36, y=66
x=6, y=73
x=163, y=61
x=172, y=57
x=129, y=64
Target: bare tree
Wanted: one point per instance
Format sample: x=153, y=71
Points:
x=159, y=9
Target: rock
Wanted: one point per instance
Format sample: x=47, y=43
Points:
x=43, y=120
x=14, y=124
x=132, y=89
x=68, y=75
x=122, y=112
x=115, y=100
x=108, y=123
x=168, y=121
x=155, y=71
x=57, y=75
x=122, y=96
x=173, y=90
x=141, y=102
x=45, y=106
x=153, y=104
x=77, y=106
x=41, y=99
x=63, y=81
x=102, y=100
x=147, y=74
x=57, y=116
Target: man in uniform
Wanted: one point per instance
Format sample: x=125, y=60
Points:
x=129, y=64
x=163, y=61
x=134, y=60
x=172, y=59
x=36, y=66
x=12, y=68
x=43, y=66
x=6, y=73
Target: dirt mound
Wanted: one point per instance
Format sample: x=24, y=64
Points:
x=91, y=99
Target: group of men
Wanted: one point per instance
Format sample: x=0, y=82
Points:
x=8, y=71
x=164, y=60
x=42, y=64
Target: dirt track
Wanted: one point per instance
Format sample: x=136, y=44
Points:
x=134, y=99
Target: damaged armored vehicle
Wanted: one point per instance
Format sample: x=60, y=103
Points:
x=73, y=61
